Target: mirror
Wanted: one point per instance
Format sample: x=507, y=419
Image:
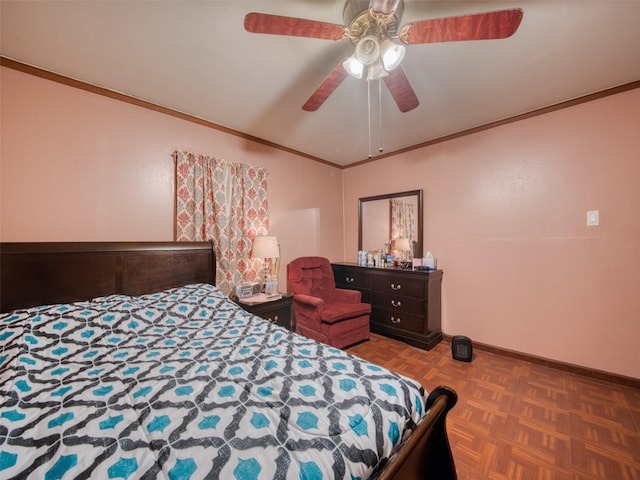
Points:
x=383, y=218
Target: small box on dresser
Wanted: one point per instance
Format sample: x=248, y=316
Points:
x=405, y=304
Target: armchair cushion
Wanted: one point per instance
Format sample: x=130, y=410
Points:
x=334, y=312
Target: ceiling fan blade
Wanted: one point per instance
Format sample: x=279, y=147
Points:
x=326, y=88
x=479, y=26
x=401, y=90
x=384, y=6
x=296, y=27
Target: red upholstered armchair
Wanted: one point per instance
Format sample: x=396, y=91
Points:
x=323, y=312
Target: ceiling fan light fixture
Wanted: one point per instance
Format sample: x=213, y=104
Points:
x=391, y=54
x=368, y=50
x=376, y=71
x=353, y=66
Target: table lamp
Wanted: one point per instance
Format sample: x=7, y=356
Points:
x=403, y=246
x=267, y=248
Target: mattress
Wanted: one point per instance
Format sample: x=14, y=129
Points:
x=184, y=384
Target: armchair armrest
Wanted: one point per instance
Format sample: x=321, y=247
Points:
x=308, y=310
x=308, y=300
x=344, y=295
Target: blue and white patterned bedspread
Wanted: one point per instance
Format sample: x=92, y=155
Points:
x=184, y=384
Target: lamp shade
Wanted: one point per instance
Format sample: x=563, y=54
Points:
x=368, y=50
x=376, y=71
x=265, y=247
x=353, y=66
x=401, y=244
x=391, y=54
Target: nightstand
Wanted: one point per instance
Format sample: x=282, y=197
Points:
x=277, y=311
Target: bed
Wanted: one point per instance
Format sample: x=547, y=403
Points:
x=122, y=360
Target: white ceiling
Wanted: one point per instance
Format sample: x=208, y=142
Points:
x=195, y=57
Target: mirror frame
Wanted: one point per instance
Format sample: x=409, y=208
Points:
x=410, y=193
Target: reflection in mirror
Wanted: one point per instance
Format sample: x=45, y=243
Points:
x=384, y=218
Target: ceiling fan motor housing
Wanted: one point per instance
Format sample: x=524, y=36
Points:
x=355, y=8
x=364, y=23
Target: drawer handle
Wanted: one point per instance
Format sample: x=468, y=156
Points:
x=349, y=279
x=273, y=320
x=396, y=304
x=395, y=320
x=395, y=287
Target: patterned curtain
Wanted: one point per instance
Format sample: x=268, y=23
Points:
x=225, y=202
x=403, y=218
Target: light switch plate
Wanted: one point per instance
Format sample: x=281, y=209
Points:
x=593, y=218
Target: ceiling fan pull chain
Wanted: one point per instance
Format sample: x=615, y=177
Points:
x=380, y=150
x=369, y=114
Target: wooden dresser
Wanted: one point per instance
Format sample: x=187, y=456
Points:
x=405, y=304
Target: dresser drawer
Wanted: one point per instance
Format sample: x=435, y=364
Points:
x=399, y=303
x=413, y=287
x=400, y=321
x=351, y=278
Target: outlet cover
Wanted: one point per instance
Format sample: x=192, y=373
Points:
x=593, y=218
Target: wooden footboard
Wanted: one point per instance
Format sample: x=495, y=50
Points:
x=427, y=453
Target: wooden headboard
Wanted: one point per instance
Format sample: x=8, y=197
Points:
x=62, y=272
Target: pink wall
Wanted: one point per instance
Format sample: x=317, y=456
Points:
x=505, y=216
x=77, y=166
x=504, y=209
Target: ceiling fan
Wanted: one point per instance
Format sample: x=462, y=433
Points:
x=373, y=27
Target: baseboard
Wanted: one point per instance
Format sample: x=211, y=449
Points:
x=567, y=367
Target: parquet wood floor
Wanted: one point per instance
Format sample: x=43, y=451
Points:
x=517, y=420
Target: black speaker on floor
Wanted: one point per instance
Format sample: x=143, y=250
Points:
x=461, y=348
